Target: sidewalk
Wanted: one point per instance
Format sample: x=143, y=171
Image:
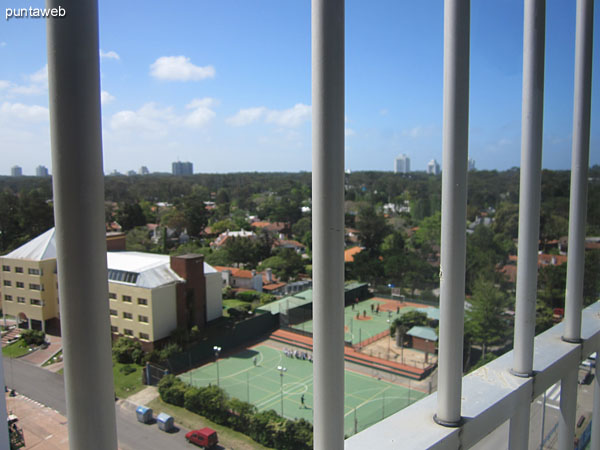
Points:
x=43, y=427
x=41, y=355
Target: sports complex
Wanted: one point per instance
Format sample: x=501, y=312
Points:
x=277, y=372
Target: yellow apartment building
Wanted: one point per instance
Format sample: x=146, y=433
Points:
x=149, y=295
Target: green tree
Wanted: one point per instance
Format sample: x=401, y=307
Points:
x=485, y=317
x=195, y=213
x=130, y=215
x=372, y=228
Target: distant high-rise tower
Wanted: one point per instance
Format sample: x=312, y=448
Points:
x=471, y=164
x=144, y=171
x=183, y=168
x=433, y=167
x=41, y=171
x=402, y=164
x=16, y=171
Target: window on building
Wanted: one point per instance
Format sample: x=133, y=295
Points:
x=128, y=315
x=35, y=287
x=20, y=284
x=21, y=299
x=31, y=271
x=19, y=269
x=112, y=295
x=144, y=336
x=127, y=298
x=113, y=312
x=5, y=268
x=142, y=301
x=143, y=319
x=8, y=297
x=121, y=275
x=35, y=301
x=7, y=283
x=127, y=332
x=114, y=329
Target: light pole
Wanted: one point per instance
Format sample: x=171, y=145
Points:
x=281, y=371
x=389, y=339
x=217, y=350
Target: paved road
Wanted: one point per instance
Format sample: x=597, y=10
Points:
x=48, y=388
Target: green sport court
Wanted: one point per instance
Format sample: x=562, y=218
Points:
x=367, y=401
x=359, y=330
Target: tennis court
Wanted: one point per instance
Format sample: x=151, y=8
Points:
x=363, y=321
x=367, y=400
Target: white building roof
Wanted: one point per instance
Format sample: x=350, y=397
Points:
x=152, y=270
x=38, y=249
x=209, y=269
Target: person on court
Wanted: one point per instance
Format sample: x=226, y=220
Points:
x=302, y=401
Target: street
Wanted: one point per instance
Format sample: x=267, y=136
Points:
x=47, y=388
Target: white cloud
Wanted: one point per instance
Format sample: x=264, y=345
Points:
x=27, y=113
x=291, y=117
x=109, y=55
x=201, y=112
x=148, y=120
x=384, y=112
x=179, y=68
x=41, y=76
x=418, y=132
x=247, y=116
x=106, y=97
x=152, y=121
x=38, y=84
x=2, y=44
x=349, y=132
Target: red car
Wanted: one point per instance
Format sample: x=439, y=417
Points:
x=205, y=438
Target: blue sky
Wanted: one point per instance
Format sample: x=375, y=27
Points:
x=226, y=84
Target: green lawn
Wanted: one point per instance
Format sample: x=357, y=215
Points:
x=15, y=349
x=127, y=384
x=227, y=437
x=367, y=399
x=52, y=360
x=361, y=322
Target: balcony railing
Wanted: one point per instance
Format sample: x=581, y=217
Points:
x=463, y=411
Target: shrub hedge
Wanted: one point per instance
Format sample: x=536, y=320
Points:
x=266, y=427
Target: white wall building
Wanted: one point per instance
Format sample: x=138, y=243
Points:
x=402, y=164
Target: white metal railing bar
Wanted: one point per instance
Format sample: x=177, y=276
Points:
x=577, y=212
x=328, y=221
x=532, y=118
x=491, y=395
x=78, y=185
x=454, y=206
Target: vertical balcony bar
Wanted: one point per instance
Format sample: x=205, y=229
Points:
x=328, y=221
x=4, y=439
x=595, y=439
x=577, y=211
x=568, y=406
x=78, y=184
x=530, y=184
x=529, y=206
x=579, y=168
x=454, y=205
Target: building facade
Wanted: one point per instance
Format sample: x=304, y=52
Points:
x=16, y=171
x=41, y=171
x=182, y=168
x=402, y=164
x=149, y=295
x=433, y=168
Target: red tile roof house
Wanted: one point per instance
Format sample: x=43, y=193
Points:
x=286, y=243
x=222, y=238
x=241, y=278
